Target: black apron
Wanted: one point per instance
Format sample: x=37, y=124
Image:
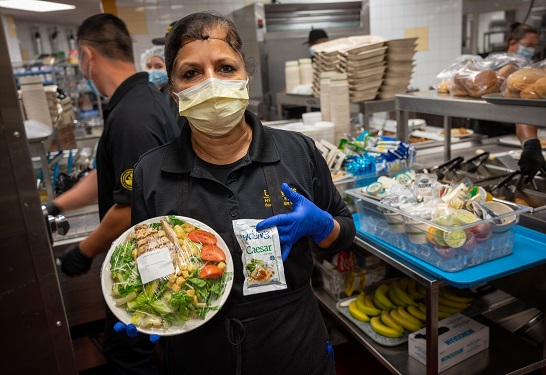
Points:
x=283, y=333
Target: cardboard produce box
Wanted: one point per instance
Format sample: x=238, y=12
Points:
x=459, y=338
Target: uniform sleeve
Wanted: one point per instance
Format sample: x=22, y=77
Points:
x=328, y=198
x=138, y=205
x=131, y=135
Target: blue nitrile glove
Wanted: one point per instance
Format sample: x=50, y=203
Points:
x=74, y=261
x=131, y=331
x=305, y=220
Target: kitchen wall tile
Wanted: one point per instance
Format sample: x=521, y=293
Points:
x=443, y=20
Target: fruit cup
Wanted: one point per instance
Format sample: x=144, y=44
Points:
x=395, y=221
x=416, y=230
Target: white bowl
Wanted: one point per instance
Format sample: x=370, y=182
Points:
x=500, y=209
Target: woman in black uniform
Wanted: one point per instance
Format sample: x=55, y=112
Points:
x=227, y=166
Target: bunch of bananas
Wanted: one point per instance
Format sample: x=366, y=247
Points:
x=393, y=308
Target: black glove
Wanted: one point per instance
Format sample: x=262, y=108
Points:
x=74, y=261
x=531, y=159
x=52, y=209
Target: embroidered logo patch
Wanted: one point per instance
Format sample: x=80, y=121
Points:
x=126, y=179
x=267, y=198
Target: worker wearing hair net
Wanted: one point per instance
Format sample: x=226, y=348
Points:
x=153, y=61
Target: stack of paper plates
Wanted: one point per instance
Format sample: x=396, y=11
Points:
x=399, y=69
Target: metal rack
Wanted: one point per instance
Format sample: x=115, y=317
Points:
x=447, y=106
x=507, y=353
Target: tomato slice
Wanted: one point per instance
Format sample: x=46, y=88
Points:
x=201, y=236
x=212, y=253
x=210, y=271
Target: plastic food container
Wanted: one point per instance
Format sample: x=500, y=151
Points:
x=344, y=184
x=449, y=248
x=337, y=283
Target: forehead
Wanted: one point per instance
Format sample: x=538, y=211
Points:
x=530, y=37
x=215, y=44
x=154, y=60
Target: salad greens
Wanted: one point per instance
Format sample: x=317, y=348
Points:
x=163, y=302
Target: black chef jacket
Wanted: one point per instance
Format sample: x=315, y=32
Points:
x=290, y=317
x=136, y=119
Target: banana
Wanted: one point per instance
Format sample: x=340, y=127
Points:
x=394, y=298
x=407, y=324
x=370, y=311
x=357, y=314
x=412, y=290
x=417, y=313
x=457, y=305
x=421, y=289
x=403, y=282
x=406, y=315
x=401, y=294
x=441, y=314
x=384, y=330
x=448, y=309
x=381, y=294
x=378, y=303
x=389, y=321
x=368, y=301
x=453, y=297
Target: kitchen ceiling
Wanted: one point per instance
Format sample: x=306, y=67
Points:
x=84, y=9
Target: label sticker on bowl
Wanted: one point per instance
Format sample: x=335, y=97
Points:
x=154, y=265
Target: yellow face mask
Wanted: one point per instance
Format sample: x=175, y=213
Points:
x=214, y=106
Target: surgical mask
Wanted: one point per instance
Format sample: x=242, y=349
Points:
x=157, y=77
x=527, y=52
x=311, y=52
x=214, y=106
x=90, y=82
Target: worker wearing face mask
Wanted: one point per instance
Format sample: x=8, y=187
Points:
x=316, y=36
x=523, y=41
x=153, y=61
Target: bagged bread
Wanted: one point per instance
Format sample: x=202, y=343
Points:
x=527, y=83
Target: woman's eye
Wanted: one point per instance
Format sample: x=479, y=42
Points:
x=189, y=74
x=226, y=69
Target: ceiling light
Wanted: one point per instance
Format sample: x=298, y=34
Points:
x=34, y=5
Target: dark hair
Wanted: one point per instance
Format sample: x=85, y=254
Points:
x=108, y=35
x=519, y=30
x=199, y=26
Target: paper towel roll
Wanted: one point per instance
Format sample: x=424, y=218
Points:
x=34, y=99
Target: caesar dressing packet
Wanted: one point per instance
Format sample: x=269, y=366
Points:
x=263, y=269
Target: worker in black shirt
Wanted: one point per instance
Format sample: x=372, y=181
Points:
x=136, y=119
x=226, y=166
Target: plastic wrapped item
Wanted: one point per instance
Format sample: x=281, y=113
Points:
x=526, y=83
x=167, y=275
x=444, y=79
x=472, y=76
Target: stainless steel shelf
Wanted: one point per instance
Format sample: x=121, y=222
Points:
x=445, y=105
x=507, y=353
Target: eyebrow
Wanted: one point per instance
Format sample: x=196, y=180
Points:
x=216, y=62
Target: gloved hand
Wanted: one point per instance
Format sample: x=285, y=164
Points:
x=52, y=209
x=74, y=262
x=531, y=159
x=305, y=220
x=131, y=331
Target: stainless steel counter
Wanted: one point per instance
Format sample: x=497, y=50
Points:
x=447, y=106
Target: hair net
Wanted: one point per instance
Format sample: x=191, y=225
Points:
x=158, y=51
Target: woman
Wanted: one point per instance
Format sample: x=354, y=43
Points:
x=153, y=61
x=227, y=166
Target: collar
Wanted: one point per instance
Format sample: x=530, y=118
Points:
x=181, y=158
x=125, y=87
